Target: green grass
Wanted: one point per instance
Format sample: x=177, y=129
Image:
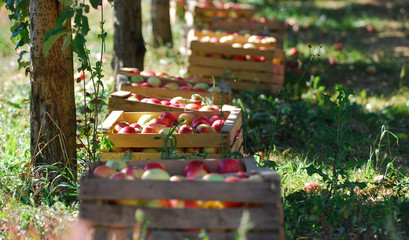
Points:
x=292, y=131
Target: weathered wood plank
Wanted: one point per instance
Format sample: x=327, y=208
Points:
x=117, y=216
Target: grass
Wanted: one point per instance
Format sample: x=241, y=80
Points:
x=292, y=132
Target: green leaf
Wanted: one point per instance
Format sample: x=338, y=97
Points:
x=85, y=25
x=67, y=42
x=311, y=171
x=95, y=3
x=52, y=36
x=78, y=46
x=66, y=14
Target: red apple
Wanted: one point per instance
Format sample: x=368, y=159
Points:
x=193, y=150
x=214, y=118
x=154, y=100
x=118, y=175
x=120, y=125
x=104, y=171
x=192, y=106
x=185, y=129
x=165, y=102
x=218, y=124
x=148, y=129
x=210, y=108
x=168, y=118
x=195, y=172
x=153, y=165
x=157, y=127
x=158, y=120
x=229, y=165
x=148, y=73
x=171, y=85
x=196, y=164
x=135, y=125
x=200, y=120
x=133, y=172
x=144, y=100
x=205, y=128
x=187, y=88
x=127, y=129
x=186, y=118
x=145, y=84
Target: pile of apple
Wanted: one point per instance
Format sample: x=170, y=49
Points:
x=195, y=102
x=229, y=40
x=185, y=123
x=148, y=78
x=228, y=170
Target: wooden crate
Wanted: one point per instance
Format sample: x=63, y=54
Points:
x=274, y=27
x=113, y=221
x=230, y=137
x=242, y=75
x=204, y=16
x=224, y=97
x=119, y=101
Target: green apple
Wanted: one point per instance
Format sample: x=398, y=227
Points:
x=144, y=119
x=136, y=79
x=155, y=174
x=154, y=81
x=116, y=164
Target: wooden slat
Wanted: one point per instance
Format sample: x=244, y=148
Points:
x=150, y=155
x=178, y=235
x=112, y=118
x=120, y=103
x=263, y=218
x=237, y=143
x=94, y=188
x=230, y=64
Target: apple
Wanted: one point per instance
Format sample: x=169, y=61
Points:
x=196, y=164
x=149, y=129
x=186, y=118
x=104, y=171
x=136, y=79
x=256, y=176
x=218, y=124
x=154, y=100
x=199, y=120
x=210, y=150
x=127, y=129
x=187, y=88
x=312, y=187
x=237, y=45
x=201, y=85
x=241, y=174
x=193, y=150
x=116, y=164
x=196, y=172
x=177, y=178
x=249, y=46
x=239, y=57
x=118, y=175
x=165, y=102
x=148, y=73
x=166, y=130
x=153, y=165
x=154, y=81
x=176, y=99
x=157, y=120
x=149, y=150
x=144, y=84
x=205, y=128
x=144, y=119
x=162, y=75
x=229, y=165
x=157, y=203
x=293, y=51
x=171, y=85
x=185, y=129
x=213, y=108
x=168, y=118
x=214, y=118
x=120, y=125
x=135, y=125
x=157, y=127
x=144, y=100
x=232, y=179
x=155, y=174
x=192, y=106
x=213, y=177
x=204, y=39
x=133, y=172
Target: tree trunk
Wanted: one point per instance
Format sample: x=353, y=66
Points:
x=52, y=107
x=161, y=29
x=129, y=46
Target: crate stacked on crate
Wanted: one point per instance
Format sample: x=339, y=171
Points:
x=203, y=13
x=243, y=61
x=209, y=133
x=185, y=199
x=168, y=87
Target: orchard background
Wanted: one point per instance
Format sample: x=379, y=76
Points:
x=359, y=45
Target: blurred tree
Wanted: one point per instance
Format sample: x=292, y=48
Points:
x=52, y=106
x=129, y=45
x=161, y=28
